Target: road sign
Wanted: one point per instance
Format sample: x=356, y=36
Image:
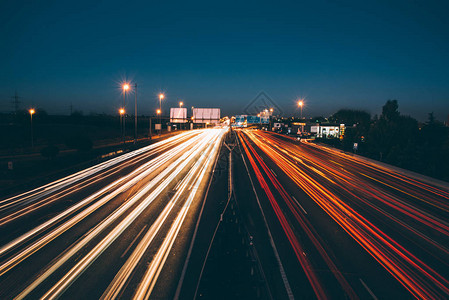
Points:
x=178, y=115
x=252, y=120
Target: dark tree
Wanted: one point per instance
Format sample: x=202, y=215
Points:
x=390, y=110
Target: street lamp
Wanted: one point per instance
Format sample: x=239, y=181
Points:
x=181, y=104
x=122, y=113
x=158, y=112
x=271, y=113
x=300, y=104
x=32, y=112
x=161, y=96
x=125, y=89
x=135, y=113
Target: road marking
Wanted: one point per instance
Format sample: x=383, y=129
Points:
x=273, y=172
x=270, y=236
x=300, y=206
x=368, y=289
x=132, y=243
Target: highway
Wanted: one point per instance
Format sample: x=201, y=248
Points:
x=119, y=229
x=343, y=226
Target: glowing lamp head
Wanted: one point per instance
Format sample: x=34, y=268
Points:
x=271, y=110
x=161, y=96
x=300, y=103
x=181, y=103
x=121, y=111
x=32, y=111
x=126, y=87
x=158, y=111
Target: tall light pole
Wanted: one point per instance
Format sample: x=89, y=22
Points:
x=32, y=111
x=122, y=114
x=159, y=114
x=271, y=112
x=161, y=96
x=125, y=88
x=300, y=104
x=180, y=106
x=135, y=113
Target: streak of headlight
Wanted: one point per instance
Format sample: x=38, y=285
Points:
x=116, y=187
x=294, y=242
x=63, y=182
x=87, y=260
x=305, y=225
x=79, y=185
x=408, y=269
x=146, y=286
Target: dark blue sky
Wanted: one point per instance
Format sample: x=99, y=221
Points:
x=336, y=54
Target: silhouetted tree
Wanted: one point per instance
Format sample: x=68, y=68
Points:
x=390, y=110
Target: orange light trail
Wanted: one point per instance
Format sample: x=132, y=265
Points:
x=413, y=210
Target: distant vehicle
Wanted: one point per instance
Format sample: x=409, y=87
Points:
x=303, y=136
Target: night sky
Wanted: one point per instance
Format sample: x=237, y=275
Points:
x=335, y=54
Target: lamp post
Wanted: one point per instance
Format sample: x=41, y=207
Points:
x=122, y=114
x=159, y=114
x=300, y=104
x=191, y=124
x=32, y=112
x=182, y=120
x=271, y=112
x=135, y=113
x=161, y=96
x=125, y=88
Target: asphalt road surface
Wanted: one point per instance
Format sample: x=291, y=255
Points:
x=120, y=229
x=345, y=227
x=168, y=221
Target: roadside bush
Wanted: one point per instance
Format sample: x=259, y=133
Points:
x=50, y=151
x=79, y=142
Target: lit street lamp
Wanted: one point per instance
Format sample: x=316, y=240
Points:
x=122, y=114
x=158, y=112
x=300, y=104
x=32, y=112
x=161, y=96
x=135, y=113
x=125, y=89
x=181, y=104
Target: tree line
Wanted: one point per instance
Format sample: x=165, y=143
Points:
x=396, y=139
